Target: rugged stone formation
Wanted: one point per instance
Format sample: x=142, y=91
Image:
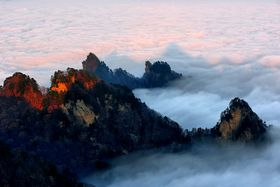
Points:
x=239, y=122
x=92, y=63
x=62, y=81
x=84, y=122
x=156, y=75
x=20, y=85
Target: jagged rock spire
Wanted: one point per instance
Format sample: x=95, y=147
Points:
x=239, y=122
x=91, y=63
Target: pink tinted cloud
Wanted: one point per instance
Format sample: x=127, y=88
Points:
x=272, y=61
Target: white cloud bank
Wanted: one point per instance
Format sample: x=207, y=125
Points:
x=202, y=166
x=39, y=39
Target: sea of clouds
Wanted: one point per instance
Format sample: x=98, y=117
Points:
x=201, y=166
x=224, y=49
x=39, y=37
x=206, y=89
x=197, y=101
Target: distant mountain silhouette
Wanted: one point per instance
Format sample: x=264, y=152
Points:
x=157, y=74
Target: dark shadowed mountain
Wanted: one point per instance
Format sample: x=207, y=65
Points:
x=18, y=168
x=157, y=74
x=82, y=121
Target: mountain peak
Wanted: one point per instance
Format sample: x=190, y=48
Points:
x=91, y=63
x=21, y=85
x=158, y=74
x=239, y=103
x=239, y=122
x=157, y=67
x=62, y=81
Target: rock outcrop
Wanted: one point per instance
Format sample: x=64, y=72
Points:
x=20, y=85
x=157, y=74
x=239, y=122
x=62, y=82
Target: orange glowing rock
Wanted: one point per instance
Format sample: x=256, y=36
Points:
x=61, y=83
x=63, y=80
x=60, y=87
x=21, y=85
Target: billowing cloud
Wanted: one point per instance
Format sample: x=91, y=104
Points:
x=201, y=166
x=272, y=61
x=60, y=34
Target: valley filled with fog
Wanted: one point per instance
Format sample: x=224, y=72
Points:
x=223, y=49
x=204, y=165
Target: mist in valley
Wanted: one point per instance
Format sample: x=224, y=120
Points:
x=199, y=166
x=197, y=101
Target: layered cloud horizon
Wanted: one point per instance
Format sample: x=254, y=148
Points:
x=39, y=37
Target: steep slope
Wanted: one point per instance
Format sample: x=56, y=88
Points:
x=86, y=121
x=239, y=122
x=157, y=74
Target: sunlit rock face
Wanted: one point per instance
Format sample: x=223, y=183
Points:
x=239, y=122
x=62, y=82
x=83, y=114
x=20, y=85
x=157, y=74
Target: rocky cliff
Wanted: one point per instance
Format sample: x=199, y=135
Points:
x=83, y=120
x=239, y=122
